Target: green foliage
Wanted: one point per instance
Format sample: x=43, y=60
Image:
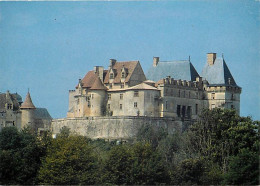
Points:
x=20, y=154
x=243, y=169
x=189, y=172
x=221, y=148
x=222, y=133
x=149, y=134
x=136, y=164
x=118, y=166
x=64, y=132
x=69, y=161
x=149, y=168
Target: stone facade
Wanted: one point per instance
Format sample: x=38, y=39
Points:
x=120, y=99
x=15, y=112
x=116, y=127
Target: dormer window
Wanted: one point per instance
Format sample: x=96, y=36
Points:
x=123, y=75
x=111, y=75
x=123, y=72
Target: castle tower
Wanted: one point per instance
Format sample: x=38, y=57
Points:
x=222, y=90
x=98, y=98
x=27, y=109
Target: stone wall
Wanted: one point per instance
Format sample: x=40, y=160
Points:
x=115, y=127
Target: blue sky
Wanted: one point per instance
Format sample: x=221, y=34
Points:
x=48, y=46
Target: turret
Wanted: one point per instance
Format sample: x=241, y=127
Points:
x=98, y=96
x=27, y=109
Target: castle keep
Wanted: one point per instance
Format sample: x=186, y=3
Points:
x=171, y=93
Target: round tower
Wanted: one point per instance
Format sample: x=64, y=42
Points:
x=98, y=97
x=27, y=109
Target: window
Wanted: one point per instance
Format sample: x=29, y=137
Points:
x=122, y=85
x=213, y=96
x=212, y=106
x=196, y=108
x=121, y=96
x=109, y=96
x=232, y=97
x=89, y=104
x=135, y=104
x=179, y=93
x=166, y=92
x=184, y=93
x=232, y=106
x=110, y=85
x=9, y=106
x=166, y=105
x=120, y=106
x=189, y=94
x=92, y=95
x=108, y=106
x=183, y=111
x=111, y=76
x=136, y=93
x=189, y=111
x=197, y=95
x=123, y=75
x=178, y=110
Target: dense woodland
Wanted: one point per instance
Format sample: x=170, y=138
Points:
x=221, y=148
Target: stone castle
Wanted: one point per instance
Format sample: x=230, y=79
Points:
x=115, y=102
x=15, y=112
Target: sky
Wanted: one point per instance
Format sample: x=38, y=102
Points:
x=48, y=46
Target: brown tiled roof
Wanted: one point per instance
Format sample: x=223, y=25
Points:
x=89, y=79
x=98, y=85
x=161, y=81
x=27, y=104
x=92, y=81
x=129, y=65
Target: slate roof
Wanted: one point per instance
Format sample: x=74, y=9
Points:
x=9, y=98
x=218, y=73
x=128, y=65
x=28, y=104
x=183, y=70
x=42, y=113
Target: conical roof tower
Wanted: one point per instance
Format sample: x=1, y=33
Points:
x=98, y=85
x=28, y=104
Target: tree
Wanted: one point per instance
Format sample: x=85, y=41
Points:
x=69, y=161
x=118, y=166
x=136, y=164
x=149, y=168
x=20, y=154
x=243, y=169
x=189, y=172
x=219, y=137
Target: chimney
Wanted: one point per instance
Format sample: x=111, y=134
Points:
x=211, y=58
x=99, y=70
x=112, y=62
x=155, y=61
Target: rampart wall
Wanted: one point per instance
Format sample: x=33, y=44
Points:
x=116, y=127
